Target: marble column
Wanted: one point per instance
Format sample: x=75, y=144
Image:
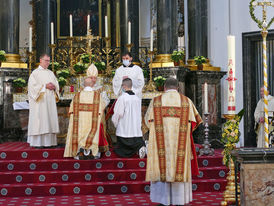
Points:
x=129, y=11
x=45, y=11
x=197, y=28
x=167, y=28
x=9, y=26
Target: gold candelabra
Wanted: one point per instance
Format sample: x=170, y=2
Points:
x=31, y=58
x=70, y=40
x=107, y=51
x=52, y=46
x=150, y=86
x=129, y=46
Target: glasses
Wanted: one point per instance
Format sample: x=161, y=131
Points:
x=46, y=60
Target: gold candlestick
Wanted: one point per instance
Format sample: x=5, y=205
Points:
x=70, y=39
x=150, y=86
x=107, y=52
x=129, y=46
x=52, y=46
x=30, y=54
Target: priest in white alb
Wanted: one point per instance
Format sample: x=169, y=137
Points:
x=86, y=133
x=259, y=117
x=43, y=92
x=171, y=158
x=128, y=70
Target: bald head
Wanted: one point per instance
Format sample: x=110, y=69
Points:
x=90, y=81
x=171, y=83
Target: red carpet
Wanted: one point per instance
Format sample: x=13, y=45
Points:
x=43, y=174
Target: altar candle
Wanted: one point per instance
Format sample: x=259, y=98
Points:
x=70, y=26
x=231, y=74
x=129, y=32
x=151, y=40
x=52, y=32
x=206, y=98
x=88, y=24
x=106, y=26
x=30, y=39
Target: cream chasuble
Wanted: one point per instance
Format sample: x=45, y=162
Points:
x=135, y=73
x=84, y=123
x=259, y=112
x=43, y=117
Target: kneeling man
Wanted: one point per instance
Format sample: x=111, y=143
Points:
x=86, y=132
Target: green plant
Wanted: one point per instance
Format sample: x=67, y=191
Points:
x=62, y=81
x=159, y=81
x=80, y=68
x=112, y=73
x=2, y=56
x=55, y=64
x=146, y=73
x=176, y=56
x=63, y=73
x=101, y=66
x=85, y=58
x=19, y=83
x=230, y=136
x=199, y=60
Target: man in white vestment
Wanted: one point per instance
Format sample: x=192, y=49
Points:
x=127, y=119
x=86, y=133
x=43, y=92
x=128, y=70
x=171, y=158
x=259, y=117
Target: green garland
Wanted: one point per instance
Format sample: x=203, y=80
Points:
x=260, y=23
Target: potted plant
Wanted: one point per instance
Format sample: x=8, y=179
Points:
x=19, y=84
x=146, y=73
x=199, y=60
x=176, y=56
x=85, y=58
x=101, y=66
x=159, y=82
x=2, y=56
x=80, y=68
x=62, y=82
x=56, y=66
x=63, y=73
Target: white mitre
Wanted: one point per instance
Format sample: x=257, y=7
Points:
x=92, y=71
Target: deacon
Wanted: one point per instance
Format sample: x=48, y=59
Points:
x=128, y=70
x=171, y=119
x=43, y=92
x=259, y=117
x=86, y=136
x=127, y=119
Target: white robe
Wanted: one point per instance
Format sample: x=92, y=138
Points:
x=259, y=112
x=127, y=117
x=43, y=117
x=135, y=73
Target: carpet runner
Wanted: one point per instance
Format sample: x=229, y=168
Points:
x=31, y=173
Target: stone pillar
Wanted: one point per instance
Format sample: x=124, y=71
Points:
x=197, y=28
x=9, y=27
x=129, y=11
x=45, y=11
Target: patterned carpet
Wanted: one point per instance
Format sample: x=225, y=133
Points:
x=30, y=176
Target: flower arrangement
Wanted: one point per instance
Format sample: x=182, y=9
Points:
x=56, y=66
x=85, y=58
x=63, y=73
x=159, y=81
x=101, y=66
x=199, y=60
x=176, y=56
x=19, y=83
x=62, y=82
x=80, y=68
x=230, y=136
x=2, y=56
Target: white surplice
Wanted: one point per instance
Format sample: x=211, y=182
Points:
x=127, y=117
x=259, y=112
x=43, y=118
x=135, y=73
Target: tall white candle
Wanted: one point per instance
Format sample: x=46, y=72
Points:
x=30, y=39
x=231, y=75
x=151, y=40
x=52, y=32
x=206, y=98
x=70, y=26
x=88, y=24
x=106, y=26
x=129, y=32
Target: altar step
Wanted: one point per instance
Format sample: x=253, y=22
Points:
x=26, y=171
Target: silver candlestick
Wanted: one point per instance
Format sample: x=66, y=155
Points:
x=206, y=150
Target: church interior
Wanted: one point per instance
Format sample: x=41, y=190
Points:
x=220, y=51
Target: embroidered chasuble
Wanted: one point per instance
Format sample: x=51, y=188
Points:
x=171, y=119
x=85, y=128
